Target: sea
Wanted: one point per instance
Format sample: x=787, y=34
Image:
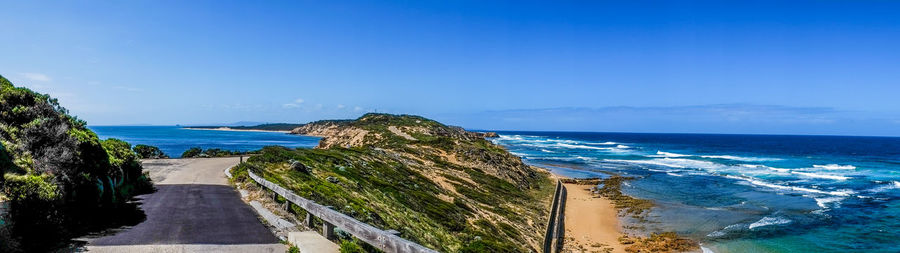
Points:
x=742, y=193
x=732, y=193
x=174, y=140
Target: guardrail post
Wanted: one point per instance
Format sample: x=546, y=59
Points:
x=327, y=230
x=309, y=220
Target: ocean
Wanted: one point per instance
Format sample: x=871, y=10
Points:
x=174, y=140
x=742, y=193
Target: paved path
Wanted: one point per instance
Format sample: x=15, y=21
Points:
x=193, y=210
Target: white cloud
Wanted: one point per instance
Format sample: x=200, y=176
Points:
x=290, y=105
x=299, y=101
x=357, y=108
x=340, y=106
x=37, y=77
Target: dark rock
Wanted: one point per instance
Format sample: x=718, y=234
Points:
x=297, y=166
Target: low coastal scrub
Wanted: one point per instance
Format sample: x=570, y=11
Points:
x=197, y=152
x=439, y=186
x=60, y=180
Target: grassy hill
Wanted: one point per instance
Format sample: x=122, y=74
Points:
x=440, y=186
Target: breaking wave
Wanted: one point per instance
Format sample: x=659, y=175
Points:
x=768, y=221
x=741, y=158
x=823, y=176
x=757, y=182
x=835, y=167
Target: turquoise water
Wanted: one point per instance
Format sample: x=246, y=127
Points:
x=174, y=140
x=743, y=193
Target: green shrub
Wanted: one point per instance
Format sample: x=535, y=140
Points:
x=192, y=152
x=349, y=246
x=60, y=178
x=149, y=152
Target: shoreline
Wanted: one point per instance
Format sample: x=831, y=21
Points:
x=591, y=221
x=235, y=130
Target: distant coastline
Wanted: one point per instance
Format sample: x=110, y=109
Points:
x=270, y=127
x=235, y=130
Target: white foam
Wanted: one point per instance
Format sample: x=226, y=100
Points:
x=887, y=187
x=547, y=151
x=823, y=202
x=622, y=146
x=823, y=176
x=725, y=230
x=768, y=221
x=843, y=192
x=601, y=143
x=740, y=158
x=650, y=162
x=835, y=167
x=509, y=137
x=673, y=174
x=757, y=166
x=705, y=249
x=668, y=154
x=580, y=146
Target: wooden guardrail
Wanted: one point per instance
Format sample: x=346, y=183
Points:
x=383, y=240
x=553, y=237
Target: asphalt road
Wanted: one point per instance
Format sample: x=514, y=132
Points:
x=193, y=205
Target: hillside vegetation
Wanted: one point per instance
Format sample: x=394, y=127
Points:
x=60, y=179
x=441, y=186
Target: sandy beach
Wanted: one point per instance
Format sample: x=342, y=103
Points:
x=592, y=223
x=235, y=130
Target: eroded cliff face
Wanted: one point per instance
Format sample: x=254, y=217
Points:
x=422, y=139
x=492, y=200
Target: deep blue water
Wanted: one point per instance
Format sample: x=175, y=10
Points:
x=174, y=140
x=743, y=193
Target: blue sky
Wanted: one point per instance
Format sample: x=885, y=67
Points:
x=804, y=67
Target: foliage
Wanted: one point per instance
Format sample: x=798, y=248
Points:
x=349, y=246
x=149, y=152
x=58, y=175
x=212, y=152
x=192, y=152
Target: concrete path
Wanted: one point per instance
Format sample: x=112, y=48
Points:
x=193, y=210
x=311, y=241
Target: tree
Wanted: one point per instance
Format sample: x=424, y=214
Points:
x=192, y=152
x=149, y=152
